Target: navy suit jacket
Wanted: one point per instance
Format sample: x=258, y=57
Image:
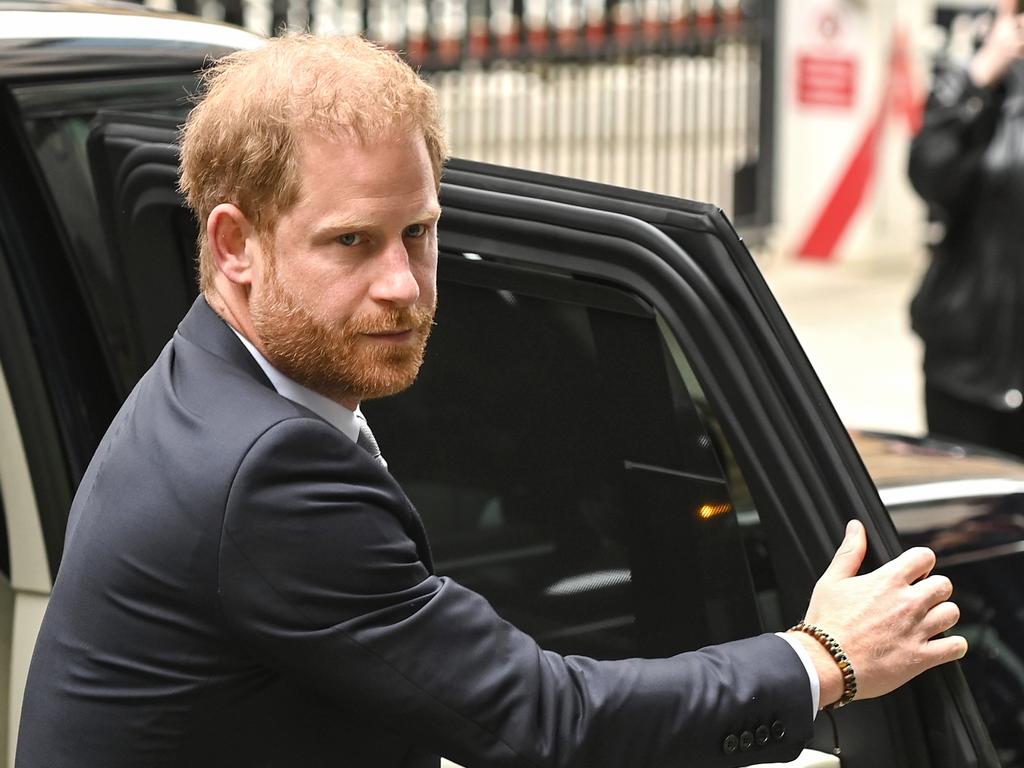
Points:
x=242, y=585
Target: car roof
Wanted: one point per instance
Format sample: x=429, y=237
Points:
x=60, y=39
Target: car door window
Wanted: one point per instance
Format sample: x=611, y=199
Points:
x=566, y=465
x=60, y=122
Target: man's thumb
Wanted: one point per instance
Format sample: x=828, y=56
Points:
x=850, y=554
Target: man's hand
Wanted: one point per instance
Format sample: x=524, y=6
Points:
x=884, y=620
x=1004, y=44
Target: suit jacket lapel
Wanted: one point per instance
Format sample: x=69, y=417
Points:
x=205, y=328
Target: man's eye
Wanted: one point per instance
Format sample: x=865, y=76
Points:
x=416, y=230
x=351, y=238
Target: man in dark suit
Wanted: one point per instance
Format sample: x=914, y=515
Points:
x=244, y=584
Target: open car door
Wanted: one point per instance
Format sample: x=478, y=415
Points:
x=616, y=437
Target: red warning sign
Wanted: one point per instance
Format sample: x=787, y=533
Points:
x=902, y=97
x=826, y=81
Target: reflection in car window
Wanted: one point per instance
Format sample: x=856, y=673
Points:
x=993, y=623
x=980, y=547
x=567, y=467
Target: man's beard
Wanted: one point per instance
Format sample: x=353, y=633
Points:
x=338, y=360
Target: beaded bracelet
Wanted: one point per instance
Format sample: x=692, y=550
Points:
x=837, y=653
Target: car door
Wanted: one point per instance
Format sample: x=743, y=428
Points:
x=616, y=438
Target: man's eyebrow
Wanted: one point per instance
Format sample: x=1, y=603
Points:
x=431, y=213
x=345, y=223
x=353, y=223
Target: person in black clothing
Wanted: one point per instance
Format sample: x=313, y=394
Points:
x=967, y=162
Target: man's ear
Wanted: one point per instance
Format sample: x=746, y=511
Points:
x=231, y=237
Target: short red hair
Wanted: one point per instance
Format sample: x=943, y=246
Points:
x=240, y=143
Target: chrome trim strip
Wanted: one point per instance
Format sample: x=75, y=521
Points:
x=69, y=25
x=948, y=490
x=589, y=582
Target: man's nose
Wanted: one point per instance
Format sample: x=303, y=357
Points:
x=395, y=282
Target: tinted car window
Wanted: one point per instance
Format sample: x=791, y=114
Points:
x=567, y=467
x=66, y=283
x=60, y=120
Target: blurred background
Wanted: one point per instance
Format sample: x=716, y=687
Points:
x=794, y=116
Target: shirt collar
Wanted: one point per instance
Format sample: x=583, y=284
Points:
x=333, y=413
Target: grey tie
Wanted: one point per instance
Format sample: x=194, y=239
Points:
x=368, y=443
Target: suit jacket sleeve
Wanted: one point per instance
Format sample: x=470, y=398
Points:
x=320, y=579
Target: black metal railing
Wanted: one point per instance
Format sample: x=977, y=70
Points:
x=670, y=96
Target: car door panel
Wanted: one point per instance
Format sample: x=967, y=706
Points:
x=879, y=721
x=713, y=244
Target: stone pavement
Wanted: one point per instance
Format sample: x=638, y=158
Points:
x=851, y=318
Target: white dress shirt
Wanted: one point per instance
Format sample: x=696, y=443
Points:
x=812, y=673
x=335, y=414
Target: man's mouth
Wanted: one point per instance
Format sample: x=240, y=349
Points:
x=398, y=334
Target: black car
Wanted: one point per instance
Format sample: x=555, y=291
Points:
x=967, y=505
x=616, y=437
